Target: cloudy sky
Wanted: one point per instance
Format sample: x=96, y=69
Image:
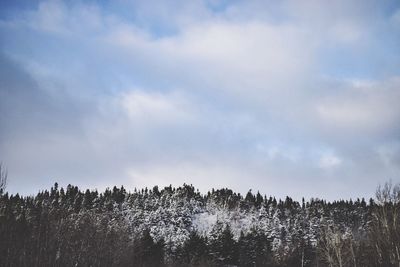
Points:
x=298, y=98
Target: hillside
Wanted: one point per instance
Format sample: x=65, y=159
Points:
x=182, y=227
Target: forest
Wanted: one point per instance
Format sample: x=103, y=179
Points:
x=182, y=227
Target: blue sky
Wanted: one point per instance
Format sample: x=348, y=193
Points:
x=296, y=98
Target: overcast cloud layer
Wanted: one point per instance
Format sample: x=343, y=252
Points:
x=298, y=98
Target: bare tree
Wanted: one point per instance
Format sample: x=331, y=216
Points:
x=3, y=178
x=385, y=227
x=336, y=248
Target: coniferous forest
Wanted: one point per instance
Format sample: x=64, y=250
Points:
x=182, y=227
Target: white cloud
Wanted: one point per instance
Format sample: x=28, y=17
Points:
x=56, y=17
x=249, y=61
x=346, y=32
x=329, y=161
x=389, y=153
x=362, y=107
x=151, y=106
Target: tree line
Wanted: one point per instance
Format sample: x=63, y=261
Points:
x=182, y=227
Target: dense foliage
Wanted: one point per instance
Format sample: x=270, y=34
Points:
x=181, y=227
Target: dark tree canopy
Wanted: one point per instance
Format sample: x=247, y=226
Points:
x=181, y=227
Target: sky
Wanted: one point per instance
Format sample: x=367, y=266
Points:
x=298, y=98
